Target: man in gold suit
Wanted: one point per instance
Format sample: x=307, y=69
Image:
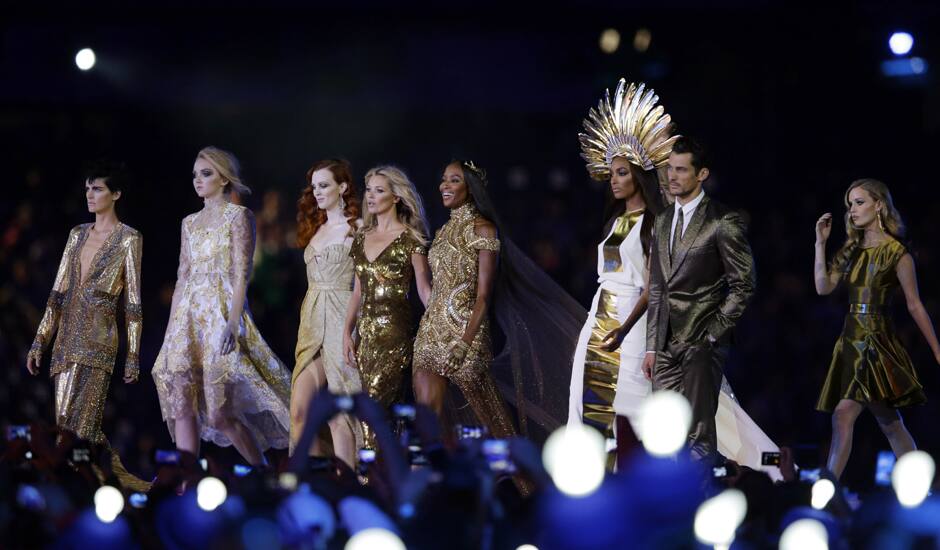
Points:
x=701, y=279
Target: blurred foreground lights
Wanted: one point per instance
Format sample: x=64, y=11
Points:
x=210, y=493
x=912, y=477
x=108, y=503
x=610, y=41
x=665, y=417
x=901, y=43
x=805, y=534
x=85, y=59
x=718, y=518
x=527, y=547
x=375, y=539
x=575, y=458
x=823, y=490
x=642, y=39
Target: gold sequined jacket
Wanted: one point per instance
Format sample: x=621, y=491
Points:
x=82, y=315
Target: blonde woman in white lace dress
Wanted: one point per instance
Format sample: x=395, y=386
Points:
x=216, y=377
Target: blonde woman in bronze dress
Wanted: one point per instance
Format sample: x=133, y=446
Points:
x=870, y=368
x=101, y=260
x=387, y=253
x=453, y=342
x=328, y=218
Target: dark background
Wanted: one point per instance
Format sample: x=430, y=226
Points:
x=790, y=99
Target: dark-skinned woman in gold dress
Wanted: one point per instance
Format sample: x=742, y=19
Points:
x=870, y=368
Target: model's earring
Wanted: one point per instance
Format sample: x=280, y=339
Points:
x=881, y=224
x=342, y=203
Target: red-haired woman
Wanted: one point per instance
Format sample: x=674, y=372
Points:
x=328, y=217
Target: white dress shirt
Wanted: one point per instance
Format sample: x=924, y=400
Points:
x=688, y=209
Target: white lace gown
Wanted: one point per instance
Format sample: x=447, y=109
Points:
x=250, y=384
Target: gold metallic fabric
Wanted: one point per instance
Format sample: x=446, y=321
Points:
x=622, y=226
x=629, y=126
x=454, y=261
x=322, y=315
x=869, y=364
x=384, y=324
x=250, y=384
x=82, y=315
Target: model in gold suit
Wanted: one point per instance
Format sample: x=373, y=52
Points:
x=328, y=218
x=870, y=367
x=216, y=377
x=386, y=253
x=101, y=260
x=453, y=341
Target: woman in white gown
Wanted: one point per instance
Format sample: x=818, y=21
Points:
x=627, y=139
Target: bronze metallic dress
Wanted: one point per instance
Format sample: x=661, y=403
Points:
x=384, y=324
x=322, y=315
x=82, y=316
x=869, y=364
x=193, y=378
x=454, y=260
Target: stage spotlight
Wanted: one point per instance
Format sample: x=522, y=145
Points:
x=108, y=503
x=901, y=43
x=610, y=41
x=665, y=417
x=85, y=59
x=210, y=493
x=805, y=534
x=527, y=547
x=823, y=490
x=912, y=477
x=368, y=539
x=718, y=518
x=641, y=40
x=575, y=458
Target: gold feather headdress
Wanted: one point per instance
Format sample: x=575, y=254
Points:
x=632, y=127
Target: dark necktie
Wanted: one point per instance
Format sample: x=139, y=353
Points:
x=676, y=235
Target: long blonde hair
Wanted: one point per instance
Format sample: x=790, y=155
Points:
x=889, y=218
x=409, y=208
x=227, y=166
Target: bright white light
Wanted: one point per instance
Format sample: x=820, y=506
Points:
x=901, y=43
x=912, y=477
x=108, y=503
x=719, y=517
x=805, y=534
x=375, y=539
x=528, y=547
x=823, y=490
x=609, y=41
x=85, y=59
x=665, y=417
x=575, y=458
x=210, y=493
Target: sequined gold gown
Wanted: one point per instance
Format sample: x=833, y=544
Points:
x=384, y=324
x=193, y=378
x=869, y=363
x=82, y=316
x=454, y=260
x=322, y=315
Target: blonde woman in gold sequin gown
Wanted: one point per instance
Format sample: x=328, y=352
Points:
x=453, y=342
x=216, y=377
x=387, y=253
x=328, y=217
x=101, y=260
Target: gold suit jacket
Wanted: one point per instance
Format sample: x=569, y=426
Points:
x=704, y=289
x=82, y=315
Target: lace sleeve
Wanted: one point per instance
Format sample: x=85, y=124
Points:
x=243, y=246
x=50, y=319
x=132, y=310
x=182, y=272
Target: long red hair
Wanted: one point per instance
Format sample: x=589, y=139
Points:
x=310, y=216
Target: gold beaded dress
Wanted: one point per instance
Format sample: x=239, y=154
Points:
x=193, y=378
x=385, y=323
x=322, y=315
x=454, y=261
x=869, y=363
x=82, y=316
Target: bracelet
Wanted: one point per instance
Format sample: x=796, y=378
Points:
x=459, y=349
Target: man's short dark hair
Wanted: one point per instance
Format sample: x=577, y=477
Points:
x=113, y=173
x=686, y=144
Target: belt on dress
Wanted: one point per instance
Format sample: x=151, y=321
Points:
x=318, y=286
x=874, y=309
